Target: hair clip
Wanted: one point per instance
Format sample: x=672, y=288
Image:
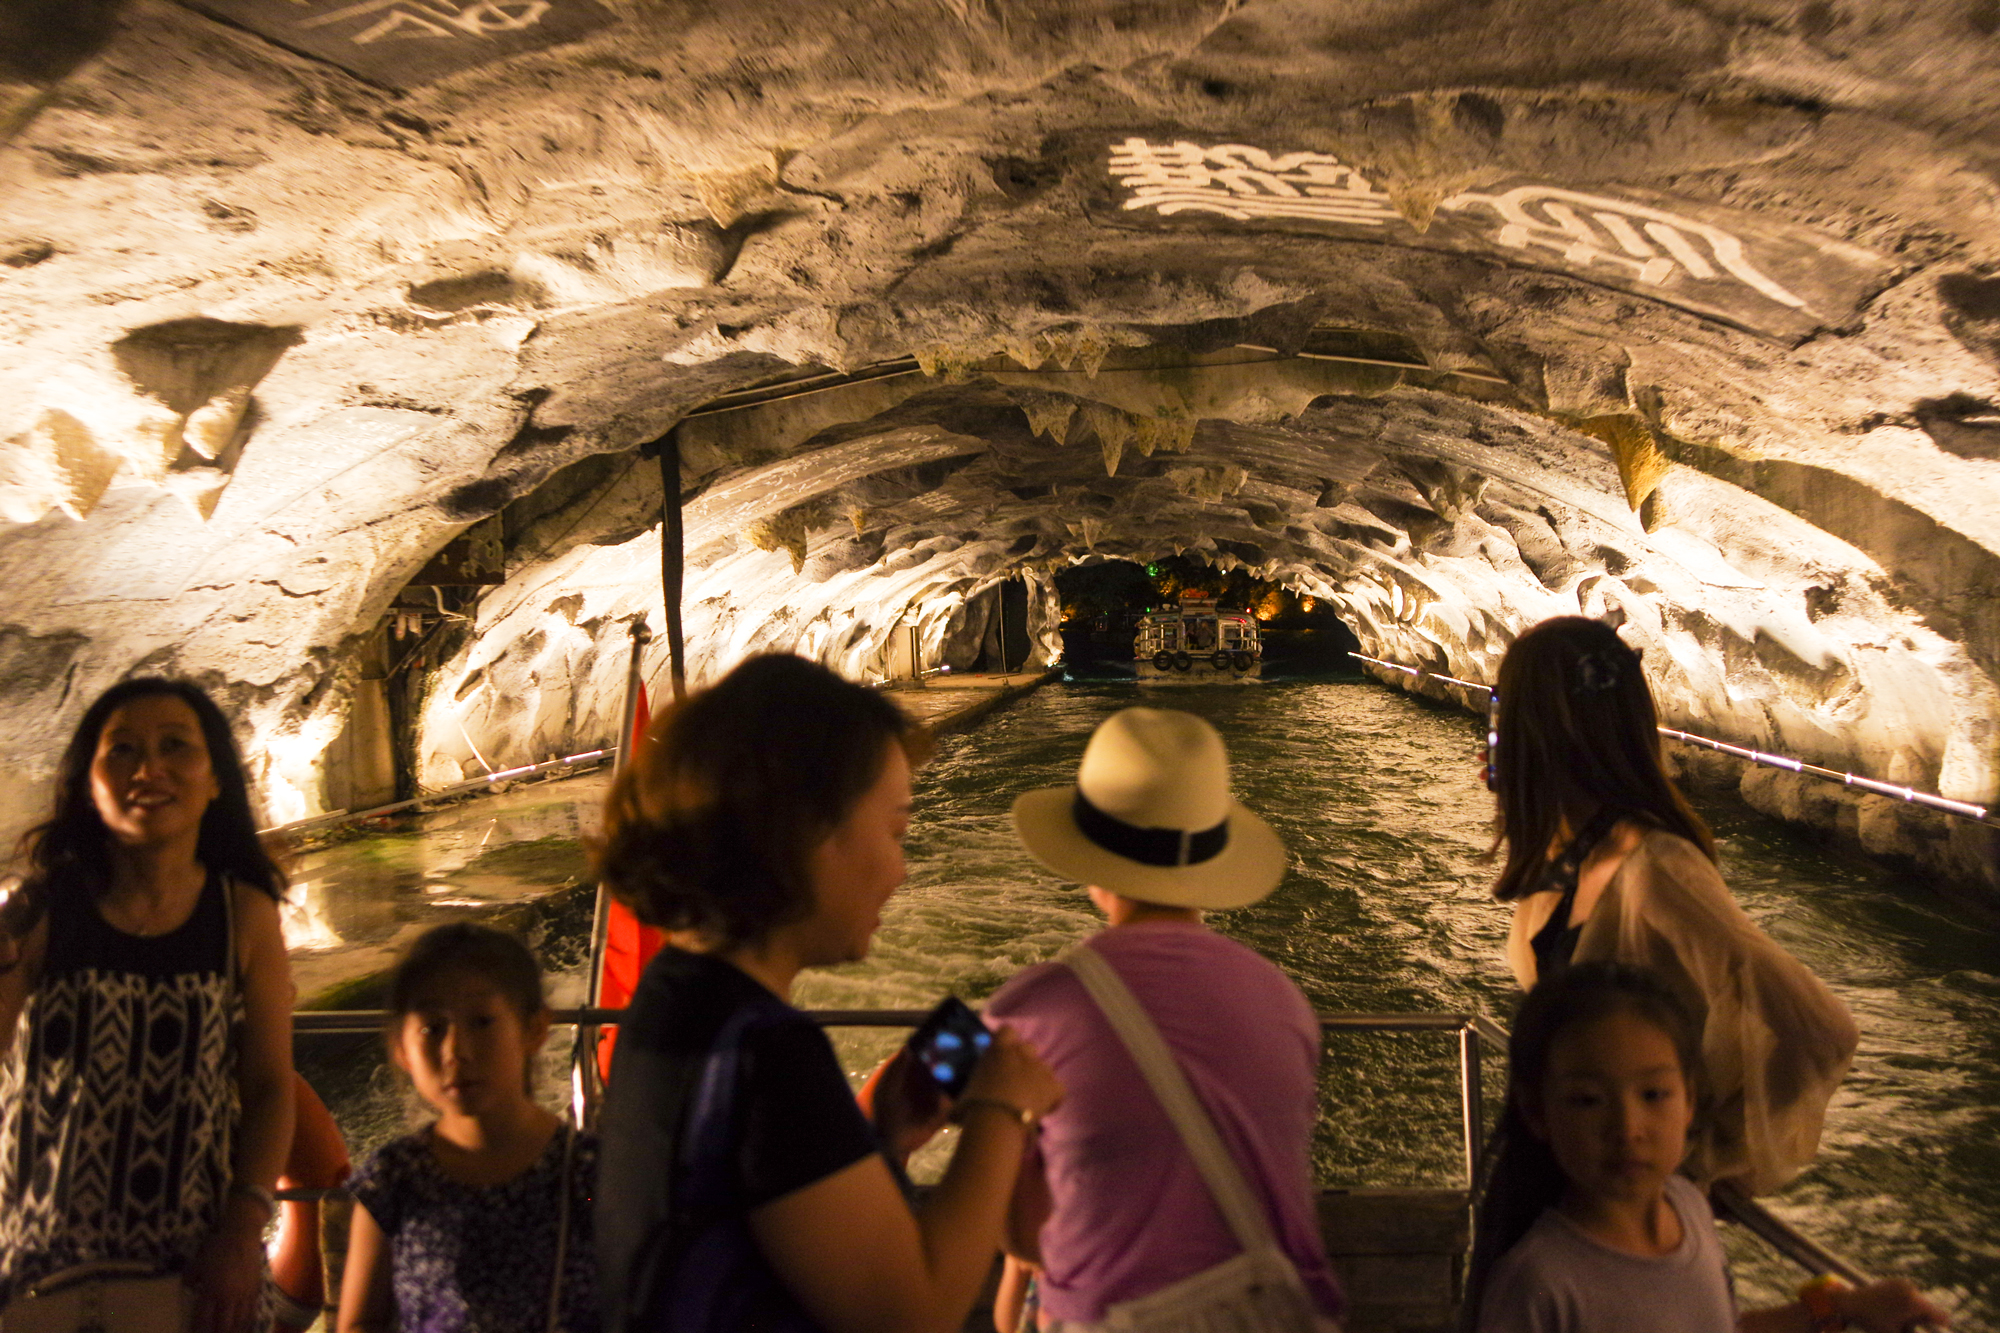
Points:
x=1597, y=672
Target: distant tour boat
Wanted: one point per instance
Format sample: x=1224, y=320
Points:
x=1197, y=644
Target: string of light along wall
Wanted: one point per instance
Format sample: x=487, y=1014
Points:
x=1962, y=809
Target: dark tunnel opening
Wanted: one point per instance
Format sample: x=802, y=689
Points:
x=1103, y=602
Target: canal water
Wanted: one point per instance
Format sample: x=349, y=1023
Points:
x=1386, y=909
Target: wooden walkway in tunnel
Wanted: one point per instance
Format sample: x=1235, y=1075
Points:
x=958, y=702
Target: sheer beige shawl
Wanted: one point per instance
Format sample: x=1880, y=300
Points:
x=1775, y=1041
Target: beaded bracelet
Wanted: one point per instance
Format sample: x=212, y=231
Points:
x=1025, y=1117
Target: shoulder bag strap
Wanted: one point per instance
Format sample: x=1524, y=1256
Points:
x=562, y=1230
x=709, y=1130
x=700, y=1197
x=1148, y=1050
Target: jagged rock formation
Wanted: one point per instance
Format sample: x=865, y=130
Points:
x=1460, y=317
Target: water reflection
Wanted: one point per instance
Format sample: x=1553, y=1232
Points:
x=356, y=901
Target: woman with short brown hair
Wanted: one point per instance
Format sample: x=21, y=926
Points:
x=760, y=825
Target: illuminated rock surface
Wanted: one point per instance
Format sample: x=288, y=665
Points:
x=1685, y=316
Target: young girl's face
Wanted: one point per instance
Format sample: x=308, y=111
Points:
x=1615, y=1108
x=466, y=1047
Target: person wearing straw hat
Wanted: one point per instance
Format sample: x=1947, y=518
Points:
x=1178, y=1164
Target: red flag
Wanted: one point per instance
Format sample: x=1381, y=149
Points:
x=628, y=944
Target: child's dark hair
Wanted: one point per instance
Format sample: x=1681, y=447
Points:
x=494, y=956
x=1523, y=1179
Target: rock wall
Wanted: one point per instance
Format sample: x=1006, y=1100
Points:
x=1686, y=317
x=1439, y=546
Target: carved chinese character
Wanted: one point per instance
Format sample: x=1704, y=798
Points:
x=416, y=19
x=1591, y=229
x=1242, y=182
x=490, y=16
x=1648, y=245
x=407, y=43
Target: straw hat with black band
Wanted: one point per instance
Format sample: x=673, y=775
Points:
x=1150, y=817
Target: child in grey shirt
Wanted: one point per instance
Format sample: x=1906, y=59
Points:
x=1585, y=1227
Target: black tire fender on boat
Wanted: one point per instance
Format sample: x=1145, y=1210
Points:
x=1163, y=660
x=1182, y=661
x=1220, y=659
x=1244, y=661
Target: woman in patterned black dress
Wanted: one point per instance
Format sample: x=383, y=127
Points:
x=145, y=1039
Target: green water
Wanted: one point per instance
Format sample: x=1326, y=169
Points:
x=1377, y=796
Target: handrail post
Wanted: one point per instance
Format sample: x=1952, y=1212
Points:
x=1469, y=1096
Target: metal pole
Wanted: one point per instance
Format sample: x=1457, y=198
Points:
x=1469, y=1096
x=672, y=558
x=1732, y=1203
x=642, y=635
x=583, y=1065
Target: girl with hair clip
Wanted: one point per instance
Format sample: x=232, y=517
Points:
x=145, y=1029
x=1585, y=1227
x=1606, y=861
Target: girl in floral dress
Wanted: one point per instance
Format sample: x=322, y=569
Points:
x=480, y=1222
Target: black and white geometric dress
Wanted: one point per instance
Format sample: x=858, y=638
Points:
x=118, y=1098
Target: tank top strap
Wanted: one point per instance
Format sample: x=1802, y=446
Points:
x=81, y=939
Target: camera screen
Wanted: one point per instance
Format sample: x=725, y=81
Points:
x=949, y=1044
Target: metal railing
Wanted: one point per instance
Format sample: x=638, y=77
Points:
x=589, y=758
x=1963, y=809
x=1801, y=1249
x=1473, y=1030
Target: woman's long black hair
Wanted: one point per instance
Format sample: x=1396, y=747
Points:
x=1577, y=732
x=1523, y=1179
x=70, y=852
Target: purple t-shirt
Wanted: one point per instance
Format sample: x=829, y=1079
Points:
x=1131, y=1214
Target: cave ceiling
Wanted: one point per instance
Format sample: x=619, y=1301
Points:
x=1457, y=315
